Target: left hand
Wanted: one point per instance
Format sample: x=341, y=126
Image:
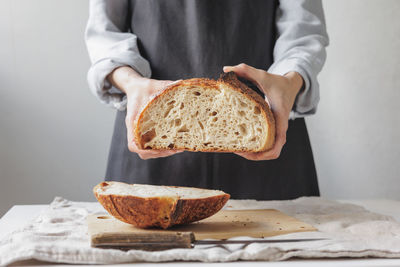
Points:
x=280, y=92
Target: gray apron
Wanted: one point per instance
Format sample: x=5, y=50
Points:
x=188, y=38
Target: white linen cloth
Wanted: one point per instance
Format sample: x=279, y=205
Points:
x=59, y=234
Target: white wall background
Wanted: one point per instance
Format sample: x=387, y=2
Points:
x=355, y=134
x=54, y=135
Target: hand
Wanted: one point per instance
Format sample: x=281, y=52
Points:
x=138, y=91
x=280, y=92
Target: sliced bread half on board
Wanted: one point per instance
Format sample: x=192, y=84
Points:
x=147, y=206
x=206, y=115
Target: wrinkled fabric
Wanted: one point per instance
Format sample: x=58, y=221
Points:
x=59, y=234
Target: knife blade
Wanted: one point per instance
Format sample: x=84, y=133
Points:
x=227, y=241
x=152, y=246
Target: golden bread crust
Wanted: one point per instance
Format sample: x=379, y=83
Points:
x=159, y=212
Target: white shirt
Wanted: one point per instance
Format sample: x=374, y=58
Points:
x=300, y=47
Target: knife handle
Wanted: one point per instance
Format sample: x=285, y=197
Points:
x=144, y=241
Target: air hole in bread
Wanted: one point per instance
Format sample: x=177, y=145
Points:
x=236, y=133
x=177, y=122
x=242, y=104
x=215, y=119
x=171, y=146
x=257, y=110
x=197, y=113
x=259, y=130
x=196, y=93
x=167, y=111
x=243, y=129
x=253, y=139
x=148, y=125
x=171, y=102
x=148, y=136
x=201, y=125
x=206, y=144
x=182, y=106
x=164, y=137
x=213, y=113
x=183, y=129
x=241, y=113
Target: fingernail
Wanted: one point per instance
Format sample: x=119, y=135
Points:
x=174, y=82
x=226, y=68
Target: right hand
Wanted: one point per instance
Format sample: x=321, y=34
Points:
x=138, y=91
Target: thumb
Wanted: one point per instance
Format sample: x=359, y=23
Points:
x=248, y=72
x=164, y=83
x=158, y=85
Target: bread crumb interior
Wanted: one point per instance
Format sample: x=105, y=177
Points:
x=201, y=118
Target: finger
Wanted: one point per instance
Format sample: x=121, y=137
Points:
x=161, y=84
x=248, y=72
x=247, y=155
x=267, y=100
x=129, y=121
x=257, y=156
x=152, y=154
x=158, y=151
x=276, y=150
x=273, y=153
x=144, y=154
x=280, y=138
x=173, y=82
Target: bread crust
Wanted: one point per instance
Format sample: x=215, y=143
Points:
x=159, y=212
x=230, y=79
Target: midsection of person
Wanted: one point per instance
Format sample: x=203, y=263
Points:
x=186, y=39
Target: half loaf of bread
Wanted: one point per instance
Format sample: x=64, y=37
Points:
x=206, y=115
x=158, y=206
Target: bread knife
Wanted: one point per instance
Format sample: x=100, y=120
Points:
x=179, y=240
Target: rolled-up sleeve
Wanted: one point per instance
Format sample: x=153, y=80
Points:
x=300, y=47
x=111, y=45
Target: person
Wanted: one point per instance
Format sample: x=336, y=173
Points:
x=138, y=47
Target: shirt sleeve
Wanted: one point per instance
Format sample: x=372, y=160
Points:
x=111, y=45
x=300, y=47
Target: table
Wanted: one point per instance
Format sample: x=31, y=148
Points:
x=18, y=215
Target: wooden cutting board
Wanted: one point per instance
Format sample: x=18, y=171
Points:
x=105, y=230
